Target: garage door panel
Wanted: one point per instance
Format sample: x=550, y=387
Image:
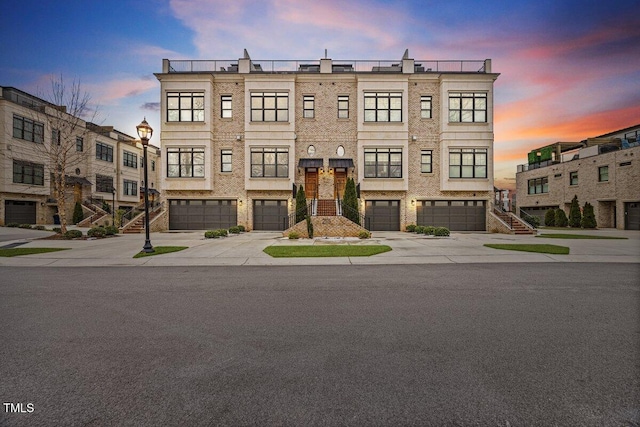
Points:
x=202, y=214
x=632, y=216
x=382, y=215
x=456, y=215
x=270, y=215
x=19, y=211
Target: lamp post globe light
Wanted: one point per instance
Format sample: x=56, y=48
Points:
x=145, y=132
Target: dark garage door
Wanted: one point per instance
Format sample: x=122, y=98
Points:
x=202, y=214
x=19, y=211
x=456, y=215
x=382, y=215
x=632, y=216
x=270, y=215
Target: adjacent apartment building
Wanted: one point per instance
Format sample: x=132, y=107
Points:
x=104, y=166
x=604, y=171
x=240, y=137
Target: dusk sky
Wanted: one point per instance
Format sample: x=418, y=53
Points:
x=568, y=69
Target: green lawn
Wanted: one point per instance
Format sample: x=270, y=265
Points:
x=28, y=251
x=543, y=249
x=325, y=250
x=159, y=250
x=576, y=236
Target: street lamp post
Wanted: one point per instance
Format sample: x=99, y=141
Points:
x=144, y=132
x=113, y=206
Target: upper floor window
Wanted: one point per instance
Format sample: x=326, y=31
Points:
x=153, y=165
x=538, y=185
x=28, y=173
x=269, y=107
x=467, y=107
x=104, y=184
x=268, y=162
x=383, y=107
x=225, y=160
x=27, y=129
x=343, y=106
x=79, y=144
x=185, y=162
x=104, y=152
x=55, y=136
x=185, y=107
x=425, y=107
x=426, y=161
x=130, y=188
x=468, y=163
x=383, y=163
x=226, y=111
x=308, y=106
x=573, y=178
x=130, y=159
x=603, y=174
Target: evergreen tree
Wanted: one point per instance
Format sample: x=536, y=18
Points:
x=575, y=216
x=350, y=202
x=78, y=215
x=301, y=204
x=588, y=216
x=561, y=218
x=550, y=218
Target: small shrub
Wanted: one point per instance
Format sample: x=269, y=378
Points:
x=309, y=226
x=364, y=234
x=210, y=234
x=241, y=228
x=441, y=231
x=588, y=216
x=294, y=236
x=550, y=218
x=96, y=232
x=234, y=230
x=72, y=234
x=13, y=225
x=420, y=229
x=430, y=230
x=27, y=226
x=561, y=218
x=111, y=230
x=106, y=207
x=411, y=228
x=222, y=232
x=39, y=227
x=78, y=215
x=57, y=230
x=575, y=217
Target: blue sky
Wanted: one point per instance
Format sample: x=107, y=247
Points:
x=569, y=69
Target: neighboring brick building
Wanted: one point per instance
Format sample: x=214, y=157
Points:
x=99, y=161
x=239, y=136
x=604, y=171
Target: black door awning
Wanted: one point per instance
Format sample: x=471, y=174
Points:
x=310, y=163
x=341, y=163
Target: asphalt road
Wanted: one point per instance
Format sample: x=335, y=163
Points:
x=460, y=345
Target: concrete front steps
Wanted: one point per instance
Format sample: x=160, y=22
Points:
x=138, y=226
x=516, y=224
x=327, y=226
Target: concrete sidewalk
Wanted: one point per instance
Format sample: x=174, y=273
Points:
x=247, y=249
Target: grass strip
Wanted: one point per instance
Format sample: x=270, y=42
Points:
x=577, y=236
x=306, y=251
x=28, y=251
x=159, y=250
x=542, y=249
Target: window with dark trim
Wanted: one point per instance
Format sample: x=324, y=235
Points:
x=153, y=165
x=79, y=144
x=538, y=185
x=383, y=107
x=225, y=160
x=130, y=188
x=603, y=173
x=28, y=173
x=468, y=163
x=343, y=106
x=426, y=161
x=129, y=159
x=185, y=162
x=308, y=106
x=185, y=106
x=268, y=162
x=425, y=107
x=573, y=178
x=467, y=107
x=27, y=129
x=55, y=137
x=226, y=112
x=104, y=184
x=269, y=107
x=104, y=152
x=383, y=163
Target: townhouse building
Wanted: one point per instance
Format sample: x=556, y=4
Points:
x=103, y=166
x=603, y=170
x=240, y=137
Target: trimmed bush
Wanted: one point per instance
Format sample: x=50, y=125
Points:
x=294, y=236
x=575, y=217
x=57, y=230
x=420, y=229
x=441, y=231
x=96, y=232
x=111, y=230
x=364, y=234
x=39, y=227
x=561, y=218
x=550, y=218
x=72, y=234
x=411, y=228
x=430, y=230
x=222, y=232
x=241, y=228
x=13, y=225
x=350, y=202
x=27, y=226
x=234, y=230
x=301, y=204
x=210, y=234
x=309, y=226
x=588, y=216
x=78, y=215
